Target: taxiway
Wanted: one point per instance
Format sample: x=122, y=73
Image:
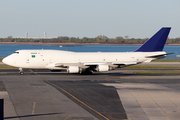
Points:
x=110, y=96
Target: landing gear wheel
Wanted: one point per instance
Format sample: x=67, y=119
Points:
x=21, y=71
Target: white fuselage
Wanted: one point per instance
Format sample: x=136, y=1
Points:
x=48, y=59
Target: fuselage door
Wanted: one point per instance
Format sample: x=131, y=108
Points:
x=42, y=59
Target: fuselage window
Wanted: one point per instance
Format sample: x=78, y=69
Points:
x=16, y=52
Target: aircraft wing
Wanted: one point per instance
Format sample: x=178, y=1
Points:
x=63, y=65
x=111, y=63
x=66, y=64
x=89, y=64
x=81, y=65
x=94, y=64
x=125, y=63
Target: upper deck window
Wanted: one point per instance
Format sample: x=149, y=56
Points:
x=16, y=52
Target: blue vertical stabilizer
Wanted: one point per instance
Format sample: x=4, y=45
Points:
x=156, y=42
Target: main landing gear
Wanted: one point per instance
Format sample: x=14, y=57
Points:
x=87, y=72
x=21, y=71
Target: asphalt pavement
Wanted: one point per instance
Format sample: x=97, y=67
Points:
x=114, y=95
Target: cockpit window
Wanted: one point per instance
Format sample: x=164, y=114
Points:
x=16, y=52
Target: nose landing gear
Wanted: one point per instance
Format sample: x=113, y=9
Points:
x=21, y=71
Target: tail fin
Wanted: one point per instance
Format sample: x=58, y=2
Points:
x=156, y=42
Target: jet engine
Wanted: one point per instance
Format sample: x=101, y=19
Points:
x=73, y=69
x=103, y=68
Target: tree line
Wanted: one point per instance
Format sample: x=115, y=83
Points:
x=98, y=39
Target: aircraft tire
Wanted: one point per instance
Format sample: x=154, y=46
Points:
x=21, y=73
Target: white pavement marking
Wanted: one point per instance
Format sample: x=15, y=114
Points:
x=144, y=101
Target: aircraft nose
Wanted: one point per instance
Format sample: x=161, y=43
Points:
x=7, y=61
x=4, y=60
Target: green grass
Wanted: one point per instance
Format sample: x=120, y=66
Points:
x=1, y=59
x=7, y=67
x=158, y=72
x=167, y=60
x=149, y=67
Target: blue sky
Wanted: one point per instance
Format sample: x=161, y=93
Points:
x=88, y=18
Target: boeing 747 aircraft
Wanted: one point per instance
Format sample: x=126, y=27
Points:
x=88, y=62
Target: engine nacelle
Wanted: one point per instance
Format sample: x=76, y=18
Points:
x=73, y=69
x=103, y=68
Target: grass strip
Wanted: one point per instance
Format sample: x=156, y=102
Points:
x=167, y=60
x=159, y=72
x=150, y=67
x=1, y=59
x=7, y=67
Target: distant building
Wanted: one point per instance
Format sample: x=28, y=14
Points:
x=45, y=36
x=26, y=35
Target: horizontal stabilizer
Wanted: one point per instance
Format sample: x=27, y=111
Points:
x=158, y=56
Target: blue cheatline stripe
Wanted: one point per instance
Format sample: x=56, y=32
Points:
x=156, y=42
